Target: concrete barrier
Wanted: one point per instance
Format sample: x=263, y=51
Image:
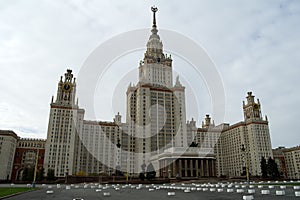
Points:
x=171, y=193
x=280, y=192
x=240, y=190
x=251, y=191
x=106, y=194
x=265, y=192
x=248, y=197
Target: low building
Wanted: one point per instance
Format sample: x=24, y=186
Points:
x=28, y=152
x=279, y=158
x=8, y=143
x=185, y=162
x=292, y=160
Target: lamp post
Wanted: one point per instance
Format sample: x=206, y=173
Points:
x=100, y=176
x=35, y=168
x=246, y=161
x=67, y=173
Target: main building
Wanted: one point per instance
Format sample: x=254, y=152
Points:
x=155, y=132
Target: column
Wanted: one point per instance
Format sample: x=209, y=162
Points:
x=197, y=167
x=191, y=167
x=202, y=170
x=185, y=167
x=207, y=168
x=180, y=167
x=174, y=169
x=212, y=168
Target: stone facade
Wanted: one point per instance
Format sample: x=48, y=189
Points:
x=155, y=123
x=28, y=152
x=8, y=143
x=292, y=161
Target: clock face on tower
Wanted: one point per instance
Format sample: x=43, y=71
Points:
x=67, y=87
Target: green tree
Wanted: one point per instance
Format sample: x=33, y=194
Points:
x=25, y=174
x=264, y=167
x=50, y=175
x=40, y=175
x=272, y=168
x=142, y=176
x=151, y=173
x=28, y=174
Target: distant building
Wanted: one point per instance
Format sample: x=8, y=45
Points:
x=8, y=143
x=279, y=158
x=253, y=133
x=28, y=152
x=292, y=161
x=226, y=141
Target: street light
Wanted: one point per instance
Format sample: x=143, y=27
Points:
x=246, y=159
x=35, y=168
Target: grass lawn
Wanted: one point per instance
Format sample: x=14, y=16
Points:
x=9, y=191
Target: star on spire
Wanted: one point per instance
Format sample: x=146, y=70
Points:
x=154, y=10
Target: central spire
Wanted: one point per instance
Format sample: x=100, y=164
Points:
x=154, y=10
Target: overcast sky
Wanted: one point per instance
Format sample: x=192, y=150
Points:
x=254, y=45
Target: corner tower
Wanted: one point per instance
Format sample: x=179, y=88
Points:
x=251, y=109
x=65, y=121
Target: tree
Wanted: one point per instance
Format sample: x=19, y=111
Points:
x=194, y=144
x=81, y=173
x=40, y=174
x=28, y=174
x=272, y=168
x=151, y=173
x=142, y=176
x=264, y=167
x=50, y=175
x=25, y=174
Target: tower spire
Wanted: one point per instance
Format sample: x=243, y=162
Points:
x=154, y=10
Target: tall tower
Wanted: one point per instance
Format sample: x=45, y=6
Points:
x=64, y=122
x=251, y=109
x=156, y=67
x=155, y=108
x=256, y=136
